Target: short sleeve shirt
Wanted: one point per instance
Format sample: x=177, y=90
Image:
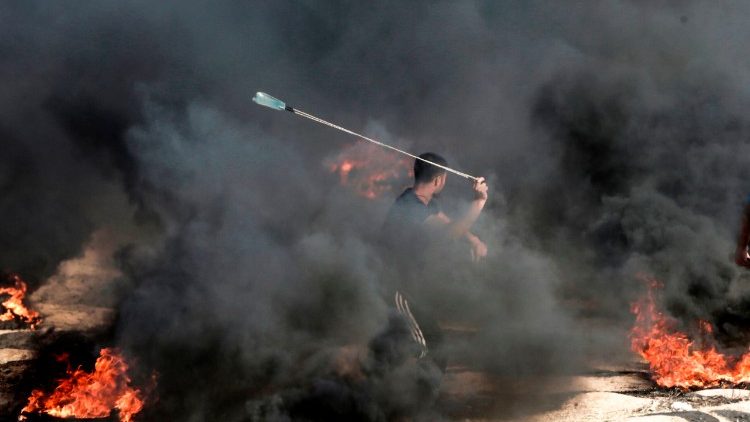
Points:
x=408, y=213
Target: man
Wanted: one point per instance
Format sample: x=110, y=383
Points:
x=740, y=254
x=416, y=208
x=415, y=220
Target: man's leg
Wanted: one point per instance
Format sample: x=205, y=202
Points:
x=425, y=330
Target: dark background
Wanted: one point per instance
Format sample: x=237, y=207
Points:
x=613, y=133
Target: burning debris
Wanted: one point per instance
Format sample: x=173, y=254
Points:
x=90, y=395
x=14, y=307
x=674, y=359
x=368, y=170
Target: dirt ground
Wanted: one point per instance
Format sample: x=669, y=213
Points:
x=76, y=300
x=603, y=395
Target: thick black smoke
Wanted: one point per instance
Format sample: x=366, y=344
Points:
x=613, y=135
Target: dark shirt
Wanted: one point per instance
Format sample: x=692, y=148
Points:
x=407, y=239
x=404, y=227
x=408, y=213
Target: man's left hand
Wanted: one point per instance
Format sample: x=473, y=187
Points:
x=478, y=249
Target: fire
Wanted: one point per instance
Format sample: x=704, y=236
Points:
x=91, y=395
x=369, y=170
x=674, y=359
x=14, y=307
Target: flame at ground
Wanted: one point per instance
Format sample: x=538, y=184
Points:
x=91, y=395
x=14, y=307
x=674, y=359
x=369, y=170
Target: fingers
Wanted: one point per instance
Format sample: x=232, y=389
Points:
x=480, y=188
x=482, y=252
x=478, y=251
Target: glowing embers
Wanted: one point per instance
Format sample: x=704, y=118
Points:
x=674, y=359
x=370, y=170
x=13, y=305
x=90, y=395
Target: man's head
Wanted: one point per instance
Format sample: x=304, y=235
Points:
x=427, y=174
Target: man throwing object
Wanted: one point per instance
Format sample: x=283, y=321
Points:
x=415, y=220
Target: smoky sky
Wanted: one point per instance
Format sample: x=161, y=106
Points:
x=613, y=135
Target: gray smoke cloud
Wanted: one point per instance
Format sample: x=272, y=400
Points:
x=612, y=133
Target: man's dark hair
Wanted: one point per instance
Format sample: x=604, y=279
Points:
x=424, y=172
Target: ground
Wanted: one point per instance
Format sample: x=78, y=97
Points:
x=73, y=302
x=602, y=395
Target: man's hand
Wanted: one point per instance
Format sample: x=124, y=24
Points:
x=740, y=253
x=741, y=258
x=478, y=248
x=480, y=189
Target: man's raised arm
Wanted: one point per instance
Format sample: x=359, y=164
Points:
x=461, y=226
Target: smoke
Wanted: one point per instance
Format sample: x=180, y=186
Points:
x=612, y=133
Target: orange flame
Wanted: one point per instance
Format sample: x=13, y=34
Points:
x=91, y=395
x=14, y=307
x=674, y=359
x=369, y=170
